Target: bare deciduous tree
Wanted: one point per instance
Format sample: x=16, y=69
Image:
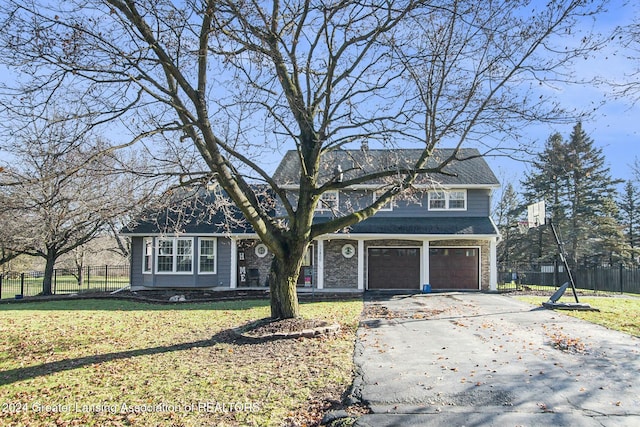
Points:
x=58, y=195
x=233, y=80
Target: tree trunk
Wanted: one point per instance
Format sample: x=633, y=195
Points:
x=80, y=276
x=283, y=279
x=47, y=281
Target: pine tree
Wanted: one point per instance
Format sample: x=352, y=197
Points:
x=576, y=185
x=591, y=191
x=629, y=205
x=547, y=183
x=508, y=211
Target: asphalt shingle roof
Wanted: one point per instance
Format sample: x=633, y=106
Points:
x=375, y=225
x=202, y=219
x=201, y=214
x=432, y=226
x=354, y=163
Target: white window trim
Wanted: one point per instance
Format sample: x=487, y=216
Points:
x=386, y=208
x=215, y=254
x=320, y=207
x=447, y=194
x=174, y=254
x=147, y=242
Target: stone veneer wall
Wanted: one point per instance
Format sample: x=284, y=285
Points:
x=264, y=264
x=484, y=255
x=254, y=261
x=340, y=272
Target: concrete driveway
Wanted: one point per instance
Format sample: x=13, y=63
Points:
x=470, y=359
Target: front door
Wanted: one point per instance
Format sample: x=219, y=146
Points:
x=305, y=278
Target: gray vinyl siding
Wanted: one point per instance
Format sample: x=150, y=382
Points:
x=186, y=280
x=223, y=266
x=478, y=205
x=137, y=278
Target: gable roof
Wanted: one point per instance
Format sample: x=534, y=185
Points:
x=471, y=172
x=200, y=212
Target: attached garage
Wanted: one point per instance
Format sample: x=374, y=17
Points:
x=393, y=268
x=454, y=268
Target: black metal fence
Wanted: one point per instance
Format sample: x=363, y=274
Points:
x=106, y=278
x=609, y=279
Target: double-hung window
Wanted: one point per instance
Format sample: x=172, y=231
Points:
x=454, y=200
x=328, y=201
x=147, y=254
x=388, y=206
x=207, y=255
x=175, y=255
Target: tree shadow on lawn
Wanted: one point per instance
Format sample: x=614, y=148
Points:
x=120, y=304
x=226, y=336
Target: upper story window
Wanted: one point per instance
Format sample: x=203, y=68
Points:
x=175, y=255
x=388, y=206
x=455, y=200
x=328, y=201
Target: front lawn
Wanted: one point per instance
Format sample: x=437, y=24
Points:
x=110, y=362
x=619, y=313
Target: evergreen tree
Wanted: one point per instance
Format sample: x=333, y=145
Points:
x=592, y=228
x=547, y=183
x=629, y=205
x=576, y=185
x=508, y=212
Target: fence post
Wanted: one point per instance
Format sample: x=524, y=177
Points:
x=1, y=275
x=106, y=277
x=621, y=277
x=22, y=284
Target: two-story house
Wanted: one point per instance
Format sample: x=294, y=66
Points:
x=440, y=234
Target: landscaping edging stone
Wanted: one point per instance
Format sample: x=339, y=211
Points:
x=162, y=297
x=316, y=332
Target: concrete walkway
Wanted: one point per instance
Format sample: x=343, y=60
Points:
x=469, y=359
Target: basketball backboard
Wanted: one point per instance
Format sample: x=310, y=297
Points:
x=536, y=215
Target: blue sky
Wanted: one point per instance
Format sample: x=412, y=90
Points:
x=614, y=127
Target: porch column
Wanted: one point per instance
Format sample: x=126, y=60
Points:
x=493, y=264
x=233, y=274
x=320, y=265
x=425, y=263
x=361, y=265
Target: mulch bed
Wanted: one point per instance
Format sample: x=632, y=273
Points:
x=287, y=328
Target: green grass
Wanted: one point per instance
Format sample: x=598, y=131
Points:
x=64, y=285
x=619, y=313
x=111, y=362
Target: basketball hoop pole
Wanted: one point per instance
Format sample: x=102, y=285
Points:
x=563, y=257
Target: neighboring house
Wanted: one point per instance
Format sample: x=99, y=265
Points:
x=441, y=234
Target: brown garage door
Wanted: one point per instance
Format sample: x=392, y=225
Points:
x=453, y=268
x=394, y=268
